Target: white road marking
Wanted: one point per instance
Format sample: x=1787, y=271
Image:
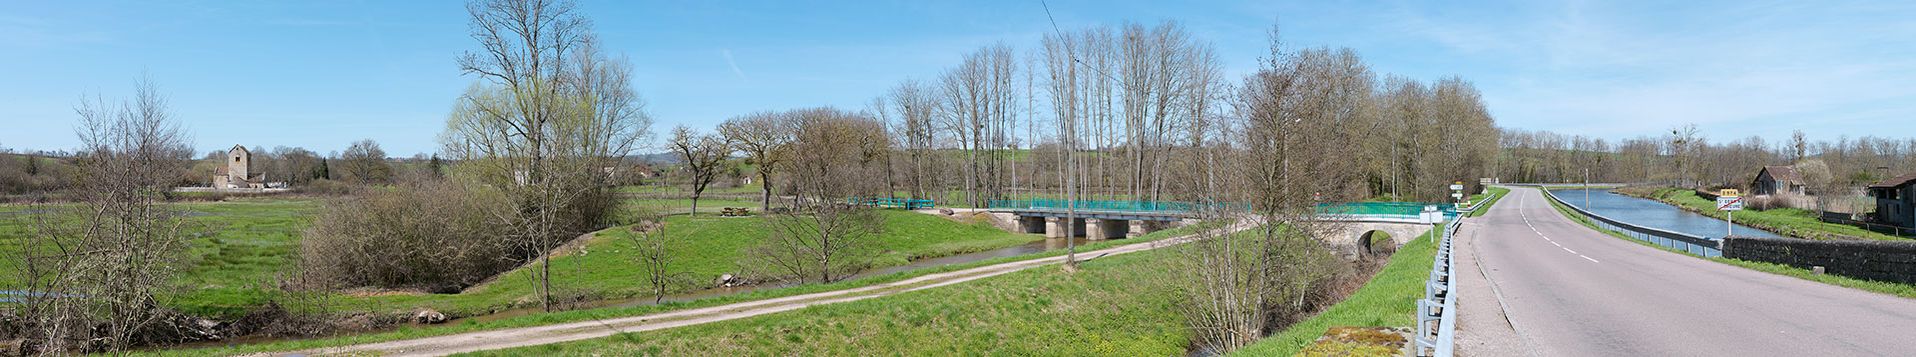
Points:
x=1533, y=228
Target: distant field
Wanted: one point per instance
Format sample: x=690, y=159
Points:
x=230, y=271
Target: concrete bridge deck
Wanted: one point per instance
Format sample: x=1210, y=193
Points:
x=1401, y=221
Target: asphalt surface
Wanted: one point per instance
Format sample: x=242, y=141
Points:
x=1534, y=283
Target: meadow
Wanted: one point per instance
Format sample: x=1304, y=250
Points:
x=252, y=243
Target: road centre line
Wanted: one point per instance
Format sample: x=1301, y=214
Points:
x=1533, y=228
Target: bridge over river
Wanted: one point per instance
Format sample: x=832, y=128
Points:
x=1106, y=219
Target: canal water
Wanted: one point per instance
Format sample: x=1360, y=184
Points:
x=1654, y=214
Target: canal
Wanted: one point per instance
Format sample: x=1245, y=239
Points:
x=1654, y=214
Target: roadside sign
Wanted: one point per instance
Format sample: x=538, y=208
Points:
x=1729, y=203
x=1729, y=192
x=1456, y=195
x=1457, y=187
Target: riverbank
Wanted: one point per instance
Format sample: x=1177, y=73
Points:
x=1790, y=222
x=1388, y=299
x=1493, y=194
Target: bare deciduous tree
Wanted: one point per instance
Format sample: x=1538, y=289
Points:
x=364, y=162
x=916, y=106
x=94, y=272
x=1293, y=120
x=836, y=155
x=763, y=137
x=550, y=116
x=704, y=156
x=654, y=255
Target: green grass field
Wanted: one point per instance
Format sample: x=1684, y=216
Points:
x=702, y=248
x=417, y=331
x=257, y=241
x=1785, y=221
x=1118, y=305
x=230, y=271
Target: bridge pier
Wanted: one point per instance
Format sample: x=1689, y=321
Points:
x=1055, y=227
x=1031, y=224
x=1143, y=227
x=1108, y=228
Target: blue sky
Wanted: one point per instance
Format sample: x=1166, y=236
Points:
x=320, y=74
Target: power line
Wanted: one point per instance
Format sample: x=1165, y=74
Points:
x=1073, y=53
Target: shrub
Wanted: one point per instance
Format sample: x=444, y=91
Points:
x=439, y=235
x=326, y=187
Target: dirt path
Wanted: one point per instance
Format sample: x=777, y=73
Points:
x=540, y=335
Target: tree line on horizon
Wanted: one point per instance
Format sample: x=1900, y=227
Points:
x=1686, y=157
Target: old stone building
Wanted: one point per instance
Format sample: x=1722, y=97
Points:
x=236, y=173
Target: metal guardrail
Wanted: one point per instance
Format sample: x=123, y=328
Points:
x=1686, y=242
x=1479, y=204
x=1437, y=311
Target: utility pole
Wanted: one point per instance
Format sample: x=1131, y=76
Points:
x=1586, y=188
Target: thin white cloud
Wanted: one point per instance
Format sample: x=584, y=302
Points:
x=728, y=61
x=26, y=32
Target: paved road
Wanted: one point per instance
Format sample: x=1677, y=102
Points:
x=1535, y=283
x=549, y=334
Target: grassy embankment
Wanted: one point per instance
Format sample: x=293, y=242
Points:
x=1785, y=221
x=409, y=331
x=702, y=247
x=1113, y=306
x=1389, y=299
x=1494, y=194
x=1117, y=305
x=1903, y=290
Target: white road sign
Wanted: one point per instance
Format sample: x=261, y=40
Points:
x=1729, y=203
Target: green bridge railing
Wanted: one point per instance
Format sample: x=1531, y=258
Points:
x=905, y=203
x=1354, y=208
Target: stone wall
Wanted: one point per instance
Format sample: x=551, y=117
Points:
x=1892, y=261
